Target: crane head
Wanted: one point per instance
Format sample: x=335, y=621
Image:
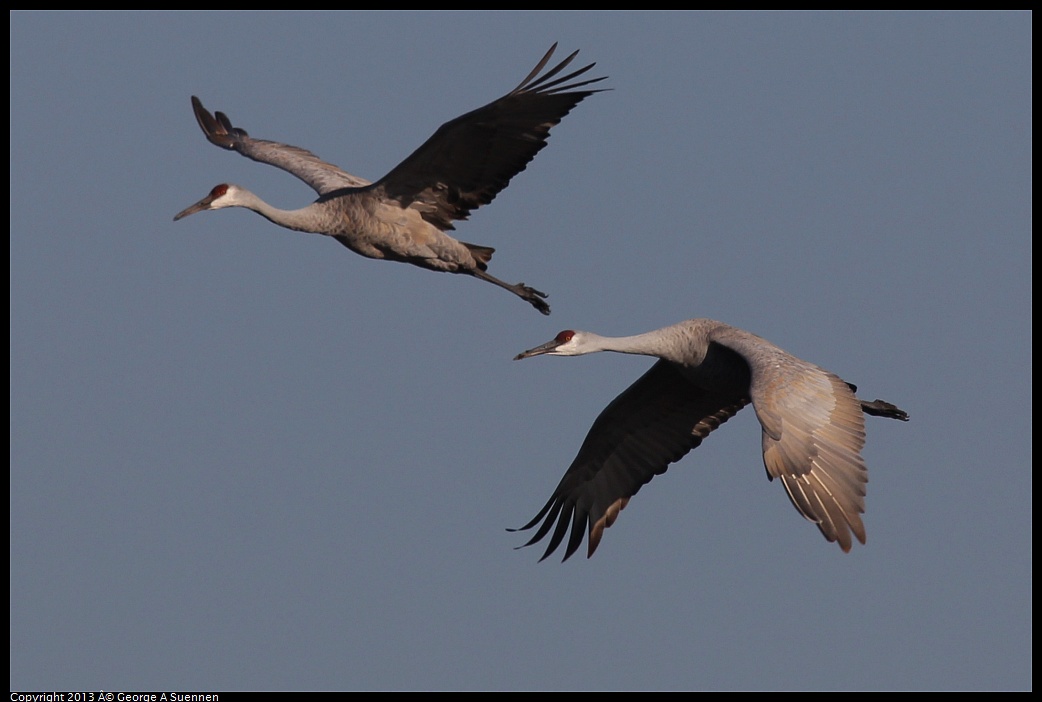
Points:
x=564, y=344
x=223, y=195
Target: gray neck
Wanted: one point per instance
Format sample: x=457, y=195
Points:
x=306, y=219
x=678, y=343
x=640, y=344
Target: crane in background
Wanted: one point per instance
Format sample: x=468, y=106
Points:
x=405, y=215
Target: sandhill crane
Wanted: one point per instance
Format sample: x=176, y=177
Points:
x=813, y=427
x=404, y=215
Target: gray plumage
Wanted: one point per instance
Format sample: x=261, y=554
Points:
x=404, y=215
x=813, y=428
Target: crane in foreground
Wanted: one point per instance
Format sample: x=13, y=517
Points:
x=405, y=215
x=813, y=428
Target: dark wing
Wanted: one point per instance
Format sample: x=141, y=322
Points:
x=654, y=423
x=470, y=159
x=323, y=177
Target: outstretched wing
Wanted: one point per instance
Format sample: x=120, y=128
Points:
x=813, y=432
x=470, y=159
x=652, y=424
x=323, y=177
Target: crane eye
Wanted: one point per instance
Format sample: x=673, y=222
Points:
x=565, y=336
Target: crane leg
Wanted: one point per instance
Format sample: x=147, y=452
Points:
x=531, y=295
x=881, y=408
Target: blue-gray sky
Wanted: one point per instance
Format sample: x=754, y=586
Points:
x=243, y=457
